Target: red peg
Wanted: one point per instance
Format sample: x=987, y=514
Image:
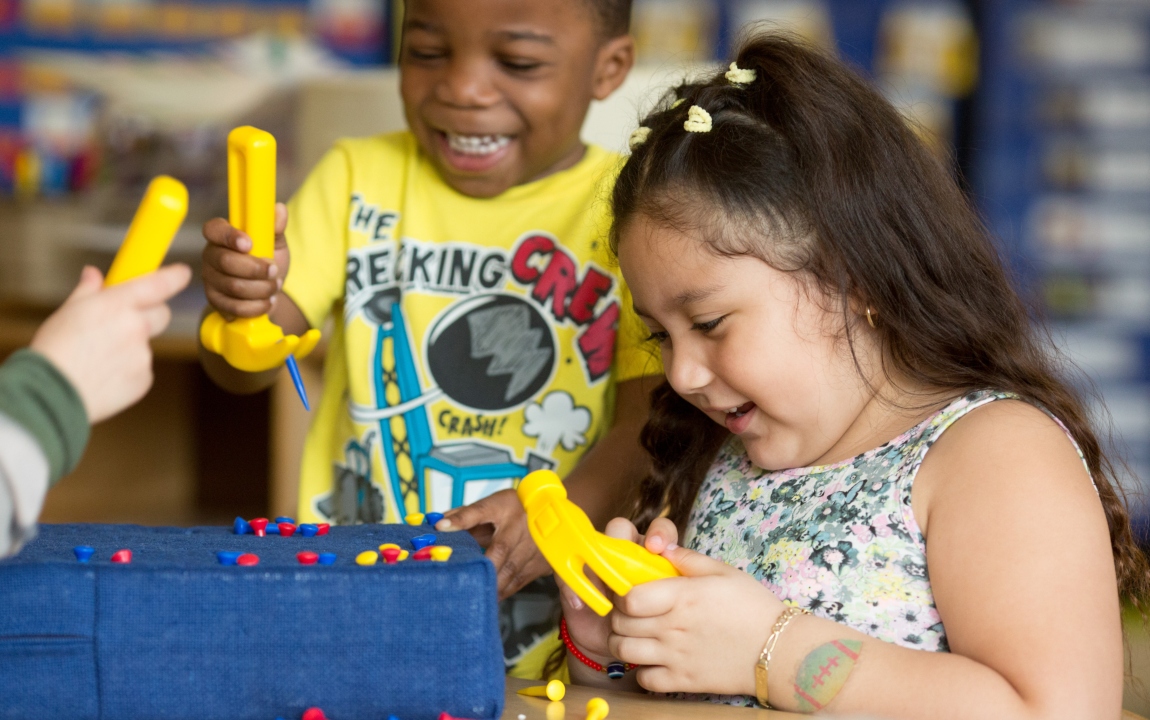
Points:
x=314, y=714
x=286, y=529
x=422, y=554
x=390, y=555
x=259, y=526
x=322, y=528
x=307, y=557
x=248, y=559
x=122, y=556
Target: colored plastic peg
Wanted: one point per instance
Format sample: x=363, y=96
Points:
x=424, y=554
x=241, y=527
x=297, y=380
x=421, y=541
x=259, y=526
x=272, y=528
x=248, y=559
x=568, y=541
x=313, y=714
x=228, y=557
x=84, y=552
x=553, y=691
x=253, y=344
x=286, y=529
x=597, y=708
x=391, y=555
x=327, y=558
x=387, y=546
x=445, y=716
x=414, y=519
x=367, y=557
x=283, y=519
x=122, y=556
x=322, y=529
x=157, y=219
x=432, y=518
x=440, y=553
x=307, y=557
x=308, y=529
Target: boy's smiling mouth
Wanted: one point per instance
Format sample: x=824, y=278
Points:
x=473, y=153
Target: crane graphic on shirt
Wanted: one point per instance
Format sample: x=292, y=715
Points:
x=490, y=351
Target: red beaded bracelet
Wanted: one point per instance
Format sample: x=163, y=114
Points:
x=614, y=671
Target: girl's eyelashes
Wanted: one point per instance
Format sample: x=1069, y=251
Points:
x=706, y=327
x=657, y=336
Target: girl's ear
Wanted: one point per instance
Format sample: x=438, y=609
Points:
x=612, y=63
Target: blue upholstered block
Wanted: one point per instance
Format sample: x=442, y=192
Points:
x=174, y=634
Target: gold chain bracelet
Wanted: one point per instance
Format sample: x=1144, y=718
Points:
x=764, y=663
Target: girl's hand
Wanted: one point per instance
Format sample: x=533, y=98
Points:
x=702, y=632
x=588, y=630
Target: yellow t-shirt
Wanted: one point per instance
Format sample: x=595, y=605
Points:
x=475, y=339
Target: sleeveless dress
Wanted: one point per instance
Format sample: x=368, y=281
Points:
x=840, y=540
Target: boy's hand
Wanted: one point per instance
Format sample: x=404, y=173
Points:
x=99, y=337
x=238, y=284
x=499, y=523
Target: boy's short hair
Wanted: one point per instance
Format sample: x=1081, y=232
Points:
x=614, y=16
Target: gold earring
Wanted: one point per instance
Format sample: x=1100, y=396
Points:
x=870, y=317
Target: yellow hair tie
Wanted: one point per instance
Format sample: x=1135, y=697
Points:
x=698, y=120
x=677, y=103
x=738, y=76
x=639, y=137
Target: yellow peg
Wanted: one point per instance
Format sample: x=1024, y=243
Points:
x=597, y=708
x=553, y=691
x=157, y=220
x=568, y=541
x=253, y=344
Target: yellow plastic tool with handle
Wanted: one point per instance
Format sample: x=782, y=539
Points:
x=157, y=220
x=253, y=344
x=569, y=542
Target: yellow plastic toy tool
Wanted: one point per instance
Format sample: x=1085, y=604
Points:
x=253, y=344
x=153, y=228
x=569, y=541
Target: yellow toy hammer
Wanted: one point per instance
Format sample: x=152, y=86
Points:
x=253, y=344
x=569, y=541
x=153, y=228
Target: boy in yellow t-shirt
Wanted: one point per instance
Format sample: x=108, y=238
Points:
x=481, y=330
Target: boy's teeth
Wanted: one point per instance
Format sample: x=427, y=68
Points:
x=477, y=144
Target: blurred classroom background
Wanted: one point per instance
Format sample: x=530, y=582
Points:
x=1042, y=107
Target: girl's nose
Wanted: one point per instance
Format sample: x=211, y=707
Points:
x=686, y=370
x=467, y=84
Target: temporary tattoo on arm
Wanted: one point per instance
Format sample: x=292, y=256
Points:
x=824, y=672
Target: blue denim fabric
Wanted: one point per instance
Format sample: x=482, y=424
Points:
x=174, y=634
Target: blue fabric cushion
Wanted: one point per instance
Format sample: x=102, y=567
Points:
x=174, y=634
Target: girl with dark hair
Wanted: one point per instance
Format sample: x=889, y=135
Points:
x=890, y=500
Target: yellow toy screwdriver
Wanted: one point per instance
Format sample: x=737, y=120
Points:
x=569, y=541
x=154, y=226
x=255, y=344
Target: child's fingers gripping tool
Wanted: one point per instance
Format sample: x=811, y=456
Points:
x=254, y=344
x=153, y=228
x=569, y=542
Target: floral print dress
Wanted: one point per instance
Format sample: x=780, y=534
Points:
x=840, y=540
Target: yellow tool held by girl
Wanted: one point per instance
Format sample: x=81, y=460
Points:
x=253, y=344
x=569, y=541
x=157, y=220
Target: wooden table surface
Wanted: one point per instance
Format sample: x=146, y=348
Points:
x=623, y=706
